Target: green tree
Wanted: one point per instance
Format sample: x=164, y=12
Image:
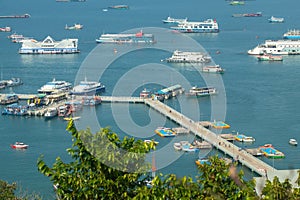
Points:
x=7, y=191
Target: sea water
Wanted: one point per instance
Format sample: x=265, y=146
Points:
x=261, y=97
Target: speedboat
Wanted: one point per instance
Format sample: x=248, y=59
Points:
x=244, y=138
x=74, y=27
x=88, y=88
x=14, y=82
x=293, y=142
x=213, y=69
x=19, y=145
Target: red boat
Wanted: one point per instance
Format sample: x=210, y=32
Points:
x=19, y=145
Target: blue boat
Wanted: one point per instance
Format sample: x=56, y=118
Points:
x=165, y=132
x=15, y=109
x=292, y=34
x=207, y=26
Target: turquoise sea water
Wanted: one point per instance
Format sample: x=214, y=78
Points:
x=262, y=97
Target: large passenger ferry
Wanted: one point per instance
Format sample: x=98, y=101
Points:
x=88, y=88
x=55, y=86
x=138, y=37
x=279, y=47
x=49, y=46
x=207, y=26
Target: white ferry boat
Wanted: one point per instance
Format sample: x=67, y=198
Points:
x=174, y=20
x=292, y=34
x=278, y=47
x=88, y=88
x=49, y=46
x=120, y=38
x=54, y=86
x=189, y=57
x=207, y=26
x=213, y=69
x=202, y=91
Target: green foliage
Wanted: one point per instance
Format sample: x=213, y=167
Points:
x=7, y=191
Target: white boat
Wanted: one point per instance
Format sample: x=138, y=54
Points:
x=19, y=145
x=88, y=88
x=276, y=19
x=121, y=38
x=293, y=141
x=49, y=46
x=5, y=29
x=188, y=57
x=277, y=47
x=14, y=82
x=207, y=26
x=269, y=57
x=174, y=20
x=145, y=93
x=293, y=34
x=213, y=69
x=185, y=146
x=74, y=27
x=55, y=86
x=51, y=112
x=244, y=138
x=202, y=91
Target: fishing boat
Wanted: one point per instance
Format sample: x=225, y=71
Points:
x=51, y=112
x=273, y=19
x=292, y=34
x=244, y=138
x=9, y=99
x=213, y=69
x=120, y=38
x=188, y=57
x=174, y=20
x=49, y=46
x=74, y=27
x=165, y=132
x=277, y=47
x=269, y=57
x=270, y=152
x=201, y=91
x=257, y=14
x=88, y=88
x=207, y=26
x=145, y=93
x=220, y=125
x=55, y=86
x=19, y=145
x=119, y=7
x=234, y=3
x=5, y=29
x=293, y=142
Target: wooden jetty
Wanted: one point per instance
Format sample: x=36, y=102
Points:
x=181, y=130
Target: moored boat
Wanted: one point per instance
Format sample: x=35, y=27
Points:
x=273, y=19
x=145, y=93
x=88, y=88
x=174, y=20
x=9, y=99
x=120, y=38
x=293, y=141
x=15, y=16
x=269, y=151
x=220, y=125
x=165, y=132
x=188, y=57
x=15, y=109
x=244, y=138
x=201, y=91
x=91, y=100
x=55, y=86
x=234, y=3
x=257, y=14
x=14, y=82
x=269, y=57
x=51, y=112
x=49, y=46
x=293, y=34
x=19, y=145
x=119, y=7
x=207, y=26
x=213, y=69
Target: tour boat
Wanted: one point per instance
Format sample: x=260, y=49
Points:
x=54, y=86
x=244, y=138
x=120, y=38
x=88, y=88
x=201, y=91
x=207, y=26
x=5, y=29
x=145, y=93
x=293, y=34
x=19, y=145
x=9, y=99
x=50, y=113
x=49, y=46
x=188, y=57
